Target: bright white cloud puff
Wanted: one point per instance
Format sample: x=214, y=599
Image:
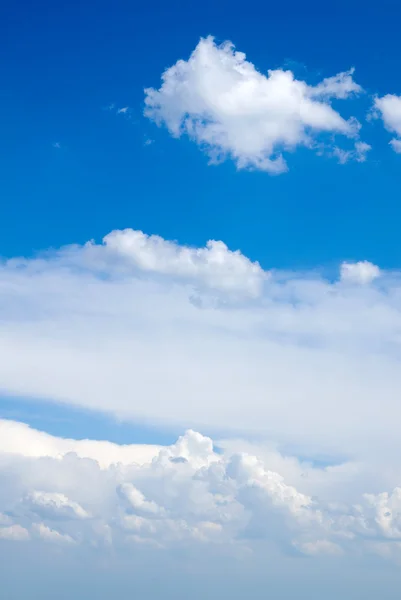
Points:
x=214, y=266
x=388, y=108
x=221, y=102
x=359, y=272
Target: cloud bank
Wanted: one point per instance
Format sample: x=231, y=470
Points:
x=148, y=330
x=188, y=496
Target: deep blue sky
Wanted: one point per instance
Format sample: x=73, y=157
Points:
x=64, y=62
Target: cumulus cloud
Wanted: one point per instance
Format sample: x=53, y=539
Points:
x=41, y=444
x=224, y=500
x=221, y=102
x=51, y=535
x=214, y=266
x=54, y=506
x=14, y=533
x=137, y=501
x=176, y=338
x=388, y=108
x=359, y=272
x=396, y=145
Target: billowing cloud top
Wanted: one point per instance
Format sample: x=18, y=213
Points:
x=187, y=495
x=359, y=272
x=214, y=266
x=225, y=105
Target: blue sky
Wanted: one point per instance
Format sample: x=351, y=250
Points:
x=200, y=363
x=64, y=66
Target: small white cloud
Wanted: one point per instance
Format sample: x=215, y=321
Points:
x=123, y=111
x=214, y=265
x=225, y=105
x=340, y=86
x=54, y=505
x=361, y=150
x=320, y=547
x=15, y=533
x=51, y=535
x=358, y=153
x=137, y=500
x=363, y=272
x=388, y=108
x=396, y=145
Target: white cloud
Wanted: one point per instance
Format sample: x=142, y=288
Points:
x=388, y=108
x=54, y=506
x=37, y=444
x=215, y=265
x=340, y=86
x=226, y=106
x=51, y=535
x=320, y=547
x=171, y=336
x=14, y=533
x=358, y=153
x=360, y=272
x=207, y=500
x=396, y=145
x=137, y=500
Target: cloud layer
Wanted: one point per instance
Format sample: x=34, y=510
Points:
x=148, y=330
x=220, y=101
x=188, y=496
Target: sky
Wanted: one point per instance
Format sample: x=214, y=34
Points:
x=200, y=300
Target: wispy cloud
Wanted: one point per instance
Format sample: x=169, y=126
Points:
x=123, y=111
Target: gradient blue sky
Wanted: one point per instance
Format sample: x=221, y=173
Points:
x=63, y=65
x=73, y=169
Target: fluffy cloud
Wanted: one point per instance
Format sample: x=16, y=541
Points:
x=308, y=361
x=54, y=506
x=214, y=266
x=359, y=272
x=14, y=533
x=226, y=106
x=36, y=445
x=225, y=500
x=388, y=108
x=51, y=535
